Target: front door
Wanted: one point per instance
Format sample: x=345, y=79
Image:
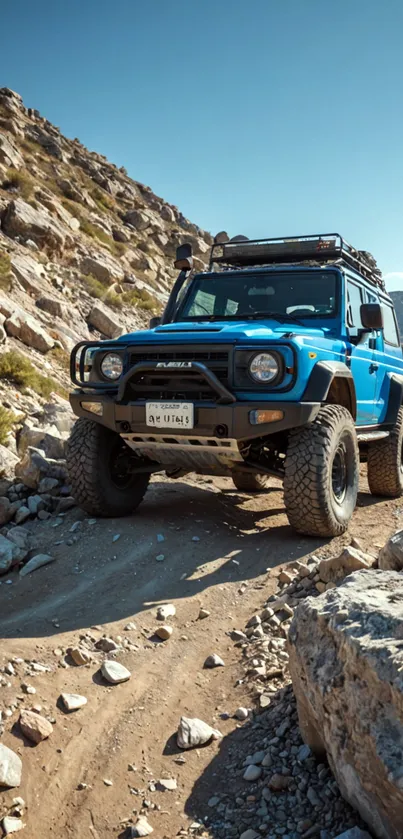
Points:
x=361, y=354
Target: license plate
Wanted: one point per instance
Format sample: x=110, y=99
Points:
x=170, y=414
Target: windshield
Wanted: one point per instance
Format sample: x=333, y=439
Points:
x=294, y=294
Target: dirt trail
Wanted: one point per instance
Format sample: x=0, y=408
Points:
x=98, y=585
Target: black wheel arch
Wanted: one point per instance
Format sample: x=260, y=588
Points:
x=328, y=376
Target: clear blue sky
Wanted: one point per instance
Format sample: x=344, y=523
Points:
x=262, y=117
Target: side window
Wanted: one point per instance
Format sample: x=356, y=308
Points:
x=390, y=333
x=354, y=300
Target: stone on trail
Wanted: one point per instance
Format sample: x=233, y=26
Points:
x=195, y=732
x=79, y=656
x=354, y=833
x=168, y=783
x=166, y=611
x=204, y=613
x=11, y=825
x=241, y=714
x=350, y=707
x=115, y=673
x=252, y=773
x=35, y=727
x=391, y=555
x=213, y=661
x=141, y=828
x=10, y=767
x=107, y=645
x=73, y=701
x=337, y=567
x=36, y=562
x=250, y=834
x=164, y=632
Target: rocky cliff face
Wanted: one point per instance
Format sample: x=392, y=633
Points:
x=85, y=252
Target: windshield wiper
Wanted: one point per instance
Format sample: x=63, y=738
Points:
x=282, y=317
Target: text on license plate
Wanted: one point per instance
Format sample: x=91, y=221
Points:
x=170, y=414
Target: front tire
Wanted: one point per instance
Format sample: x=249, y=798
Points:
x=96, y=460
x=248, y=482
x=321, y=474
x=385, y=467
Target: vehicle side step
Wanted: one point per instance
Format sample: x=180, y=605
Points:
x=371, y=436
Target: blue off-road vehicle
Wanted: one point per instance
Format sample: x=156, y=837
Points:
x=282, y=359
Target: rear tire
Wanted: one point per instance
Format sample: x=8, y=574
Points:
x=385, y=468
x=96, y=461
x=248, y=482
x=321, y=474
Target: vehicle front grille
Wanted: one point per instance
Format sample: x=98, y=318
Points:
x=184, y=386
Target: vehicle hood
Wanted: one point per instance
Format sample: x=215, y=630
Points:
x=221, y=332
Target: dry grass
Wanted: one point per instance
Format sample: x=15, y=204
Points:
x=21, y=181
x=5, y=272
x=15, y=368
x=7, y=421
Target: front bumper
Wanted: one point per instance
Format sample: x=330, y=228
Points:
x=211, y=419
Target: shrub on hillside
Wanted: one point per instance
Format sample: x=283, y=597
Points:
x=16, y=368
x=7, y=420
x=5, y=272
x=21, y=181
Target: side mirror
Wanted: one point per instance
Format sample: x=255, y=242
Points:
x=371, y=316
x=184, y=259
x=155, y=321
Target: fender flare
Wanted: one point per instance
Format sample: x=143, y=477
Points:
x=321, y=378
x=395, y=399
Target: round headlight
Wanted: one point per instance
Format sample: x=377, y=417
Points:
x=112, y=366
x=263, y=367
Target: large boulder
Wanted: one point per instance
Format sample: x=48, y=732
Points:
x=104, y=267
x=36, y=225
x=28, y=271
x=55, y=307
x=104, y=321
x=29, y=331
x=345, y=652
x=391, y=555
x=9, y=154
x=8, y=461
x=138, y=219
x=34, y=466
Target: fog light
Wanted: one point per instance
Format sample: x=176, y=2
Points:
x=259, y=417
x=93, y=407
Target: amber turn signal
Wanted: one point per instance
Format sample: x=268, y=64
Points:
x=259, y=417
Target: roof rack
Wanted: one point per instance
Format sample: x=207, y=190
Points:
x=319, y=249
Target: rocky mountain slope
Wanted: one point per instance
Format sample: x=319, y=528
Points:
x=85, y=252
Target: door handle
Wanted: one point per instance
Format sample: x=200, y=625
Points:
x=373, y=367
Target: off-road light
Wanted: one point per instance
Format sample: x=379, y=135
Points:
x=112, y=366
x=263, y=367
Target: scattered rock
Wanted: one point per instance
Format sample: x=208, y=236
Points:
x=10, y=824
x=164, y=632
x=73, y=701
x=213, y=661
x=23, y=220
x=104, y=320
x=114, y=672
x=204, y=613
x=130, y=627
x=36, y=562
x=141, y=828
x=250, y=834
x=107, y=645
x=241, y=714
x=195, y=732
x=252, y=773
x=79, y=656
x=167, y=611
x=168, y=783
x=338, y=567
x=10, y=767
x=279, y=782
x=391, y=555
x=35, y=727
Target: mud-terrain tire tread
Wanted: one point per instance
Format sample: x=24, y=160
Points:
x=307, y=484
x=85, y=459
x=385, y=477
x=247, y=482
